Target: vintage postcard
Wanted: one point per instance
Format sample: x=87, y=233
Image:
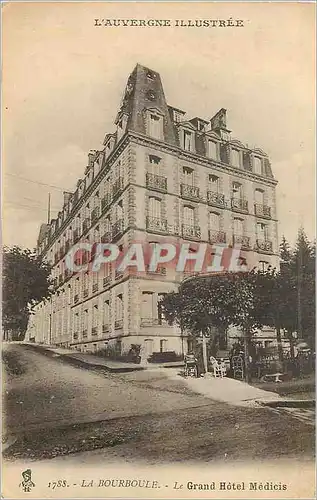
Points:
x=158, y=305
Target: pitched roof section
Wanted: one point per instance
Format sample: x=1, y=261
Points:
x=144, y=90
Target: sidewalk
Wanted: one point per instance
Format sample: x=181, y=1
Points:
x=86, y=360
x=231, y=391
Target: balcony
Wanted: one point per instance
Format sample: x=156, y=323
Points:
x=157, y=225
x=118, y=275
x=76, y=235
x=243, y=241
x=191, y=232
x=239, y=205
x=106, y=237
x=262, y=210
x=117, y=187
x=106, y=281
x=117, y=229
x=94, y=330
x=85, y=333
x=85, y=293
x=217, y=236
x=76, y=298
x=118, y=324
x=264, y=246
x=190, y=192
x=105, y=202
x=95, y=287
x=86, y=225
x=158, y=271
x=156, y=182
x=216, y=199
x=95, y=215
x=149, y=321
x=105, y=328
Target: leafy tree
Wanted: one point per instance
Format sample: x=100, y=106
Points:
x=25, y=283
x=203, y=304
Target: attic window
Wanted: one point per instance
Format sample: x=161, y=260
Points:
x=187, y=140
x=154, y=159
x=151, y=76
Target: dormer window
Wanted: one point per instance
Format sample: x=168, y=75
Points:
x=155, y=126
x=212, y=150
x=235, y=158
x=187, y=140
x=121, y=126
x=257, y=165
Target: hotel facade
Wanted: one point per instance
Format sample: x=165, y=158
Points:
x=159, y=177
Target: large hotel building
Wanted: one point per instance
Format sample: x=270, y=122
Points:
x=159, y=176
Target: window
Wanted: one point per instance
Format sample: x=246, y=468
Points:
x=214, y=183
x=262, y=231
x=95, y=316
x=257, y=165
x=106, y=312
x=212, y=150
x=189, y=216
x=263, y=265
x=236, y=190
x=187, y=140
x=154, y=159
x=259, y=197
x=147, y=305
x=119, y=306
x=155, y=207
x=85, y=319
x=235, y=157
x=155, y=125
x=214, y=221
x=188, y=175
x=119, y=211
x=238, y=226
x=76, y=322
x=163, y=345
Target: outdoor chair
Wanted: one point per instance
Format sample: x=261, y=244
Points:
x=238, y=367
x=216, y=367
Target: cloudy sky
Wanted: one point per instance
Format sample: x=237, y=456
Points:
x=64, y=78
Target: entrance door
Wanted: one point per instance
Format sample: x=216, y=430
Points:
x=148, y=348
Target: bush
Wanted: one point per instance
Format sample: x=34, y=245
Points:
x=164, y=357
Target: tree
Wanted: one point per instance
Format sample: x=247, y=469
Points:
x=208, y=302
x=25, y=283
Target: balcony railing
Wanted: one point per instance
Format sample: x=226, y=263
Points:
x=94, y=287
x=118, y=274
x=117, y=187
x=190, y=192
x=85, y=293
x=106, y=237
x=217, y=236
x=159, y=270
x=94, y=330
x=105, y=328
x=76, y=298
x=95, y=214
x=117, y=228
x=262, y=210
x=156, y=224
x=86, y=224
x=106, y=281
x=118, y=323
x=149, y=321
x=191, y=231
x=239, y=204
x=105, y=202
x=215, y=199
x=264, y=246
x=156, y=182
x=243, y=241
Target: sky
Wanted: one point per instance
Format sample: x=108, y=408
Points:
x=64, y=79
